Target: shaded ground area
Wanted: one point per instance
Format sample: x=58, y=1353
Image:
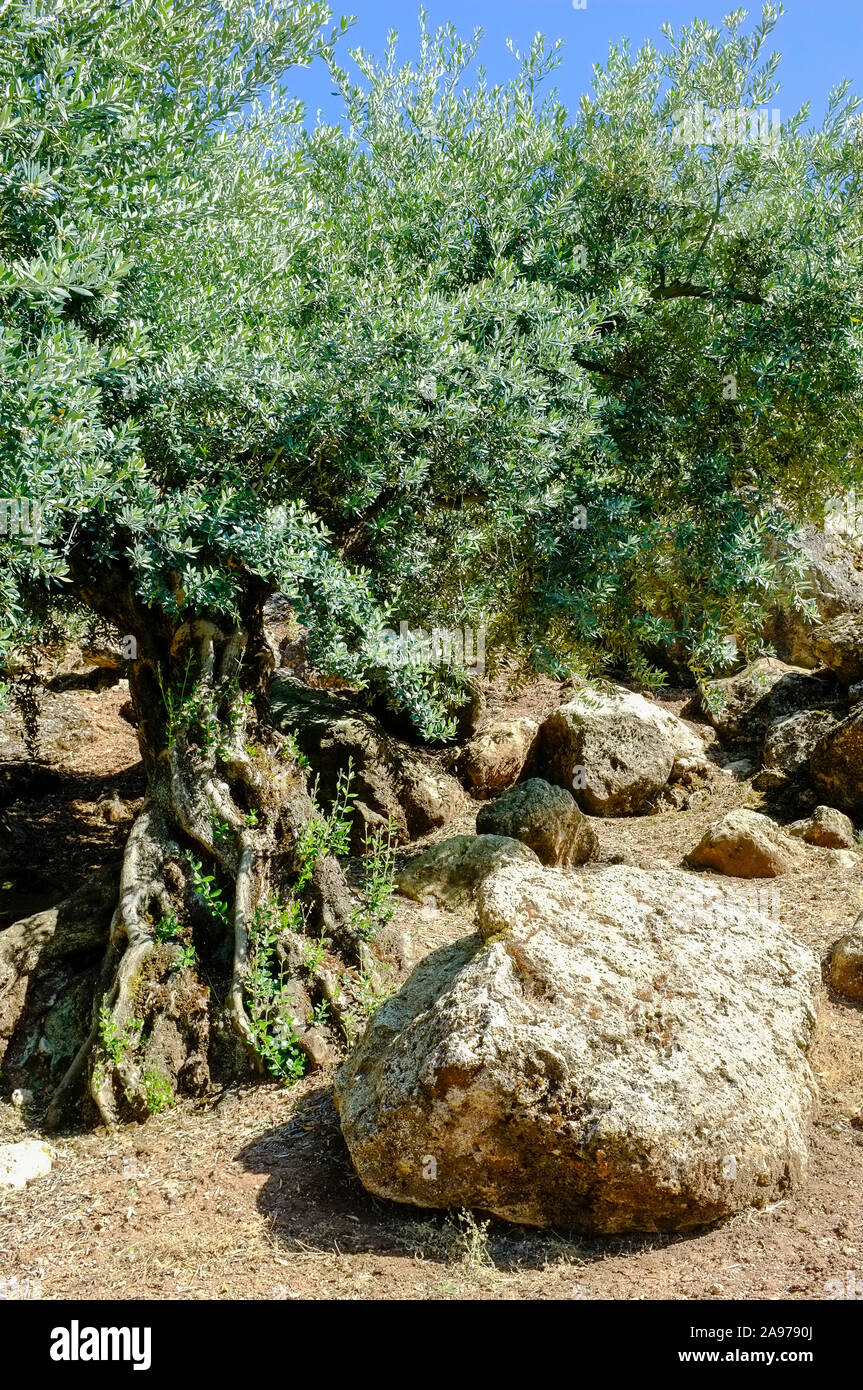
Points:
x=250, y=1193
x=52, y=831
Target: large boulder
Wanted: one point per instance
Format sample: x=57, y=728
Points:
x=836, y=764
x=55, y=732
x=393, y=783
x=601, y=1060
x=613, y=749
x=48, y=968
x=746, y=844
x=544, y=817
x=495, y=757
x=448, y=874
x=742, y=707
x=93, y=666
x=833, y=576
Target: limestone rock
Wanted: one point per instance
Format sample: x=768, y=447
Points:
x=826, y=827
x=38, y=987
x=61, y=730
x=603, y=1061
x=738, y=768
x=95, y=666
x=743, y=707
x=544, y=817
x=495, y=757
x=614, y=751
x=393, y=782
x=428, y=796
x=836, y=764
x=847, y=860
x=791, y=739
x=112, y=809
x=22, y=1163
x=448, y=874
x=834, y=577
x=846, y=963
x=317, y=1047
x=839, y=647
x=746, y=844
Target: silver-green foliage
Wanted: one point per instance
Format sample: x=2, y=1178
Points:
x=383, y=366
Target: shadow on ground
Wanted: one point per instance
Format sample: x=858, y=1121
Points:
x=313, y=1200
x=50, y=838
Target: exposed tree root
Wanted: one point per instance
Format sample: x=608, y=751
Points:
x=219, y=840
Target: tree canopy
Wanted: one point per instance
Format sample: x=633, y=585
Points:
x=464, y=358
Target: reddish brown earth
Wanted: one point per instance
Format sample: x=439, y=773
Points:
x=250, y=1193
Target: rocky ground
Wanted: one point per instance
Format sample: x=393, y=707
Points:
x=250, y=1193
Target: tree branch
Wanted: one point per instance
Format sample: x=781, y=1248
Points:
x=681, y=289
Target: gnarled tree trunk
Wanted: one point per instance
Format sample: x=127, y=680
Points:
x=220, y=858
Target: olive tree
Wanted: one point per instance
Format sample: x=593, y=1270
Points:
x=127, y=144
x=463, y=358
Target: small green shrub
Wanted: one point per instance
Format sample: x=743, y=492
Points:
x=208, y=890
x=169, y=928
x=378, y=884
x=268, y=1005
x=158, y=1092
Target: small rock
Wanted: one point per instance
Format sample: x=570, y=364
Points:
x=690, y=771
x=746, y=844
x=846, y=963
x=826, y=827
x=112, y=810
x=430, y=797
x=740, y=768
x=22, y=1163
x=20, y=1099
x=769, y=779
x=843, y=858
x=545, y=818
x=674, y=797
x=495, y=757
x=316, y=1046
x=127, y=712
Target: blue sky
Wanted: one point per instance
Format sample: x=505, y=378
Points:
x=821, y=40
